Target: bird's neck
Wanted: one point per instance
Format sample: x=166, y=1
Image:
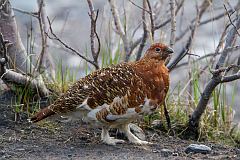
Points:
x=155, y=66
x=155, y=75
x=151, y=61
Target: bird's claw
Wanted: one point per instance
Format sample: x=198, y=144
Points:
x=141, y=142
x=112, y=141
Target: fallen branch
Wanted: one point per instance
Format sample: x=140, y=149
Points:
x=11, y=77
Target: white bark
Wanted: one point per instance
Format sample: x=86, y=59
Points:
x=18, y=58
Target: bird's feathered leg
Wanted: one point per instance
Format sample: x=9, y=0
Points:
x=131, y=137
x=105, y=137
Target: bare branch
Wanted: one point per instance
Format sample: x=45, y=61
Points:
x=142, y=8
x=188, y=45
x=216, y=72
x=221, y=15
x=229, y=41
x=215, y=80
x=145, y=32
x=11, y=77
x=235, y=48
x=18, y=57
x=229, y=17
x=173, y=22
x=169, y=19
x=43, y=36
x=33, y=14
x=120, y=29
x=230, y=78
x=44, y=57
x=151, y=19
x=43, y=25
x=93, y=16
x=136, y=43
x=3, y=51
x=55, y=37
x=117, y=22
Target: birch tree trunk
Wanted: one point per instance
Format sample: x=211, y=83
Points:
x=18, y=59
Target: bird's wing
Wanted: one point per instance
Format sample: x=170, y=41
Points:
x=101, y=87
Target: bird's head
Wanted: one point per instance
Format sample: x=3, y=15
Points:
x=158, y=51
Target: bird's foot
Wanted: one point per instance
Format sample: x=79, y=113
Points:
x=140, y=142
x=112, y=141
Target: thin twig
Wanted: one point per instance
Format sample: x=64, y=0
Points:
x=3, y=54
x=224, y=69
x=145, y=32
x=151, y=20
x=33, y=14
x=221, y=15
x=93, y=16
x=41, y=16
x=229, y=41
x=188, y=45
x=43, y=30
x=173, y=22
x=229, y=17
x=155, y=27
x=230, y=78
x=55, y=37
x=209, y=55
x=169, y=19
x=120, y=29
x=142, y=8
x=3, y=4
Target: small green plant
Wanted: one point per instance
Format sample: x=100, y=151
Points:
x=216, y=124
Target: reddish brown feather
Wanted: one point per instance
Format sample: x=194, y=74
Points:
x=135, y=81
x=44, y=113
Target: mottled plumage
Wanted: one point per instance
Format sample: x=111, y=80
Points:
x=114, y=96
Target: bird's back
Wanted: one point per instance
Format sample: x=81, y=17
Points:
x=136, y=82
x=101, y=87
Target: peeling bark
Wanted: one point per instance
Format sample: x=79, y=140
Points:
x=18, y=59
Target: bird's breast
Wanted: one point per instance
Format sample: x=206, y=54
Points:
x=156, y=78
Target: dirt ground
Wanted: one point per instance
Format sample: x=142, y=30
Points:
x=52, y=139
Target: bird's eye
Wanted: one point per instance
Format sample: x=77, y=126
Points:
x=157, y=49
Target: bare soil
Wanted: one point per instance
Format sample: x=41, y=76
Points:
x=52, y=139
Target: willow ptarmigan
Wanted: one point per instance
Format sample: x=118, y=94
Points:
x=113, y=97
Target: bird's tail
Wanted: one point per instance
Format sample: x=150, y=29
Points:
x=42, y=114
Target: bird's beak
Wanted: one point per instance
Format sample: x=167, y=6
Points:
x=169, y=50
